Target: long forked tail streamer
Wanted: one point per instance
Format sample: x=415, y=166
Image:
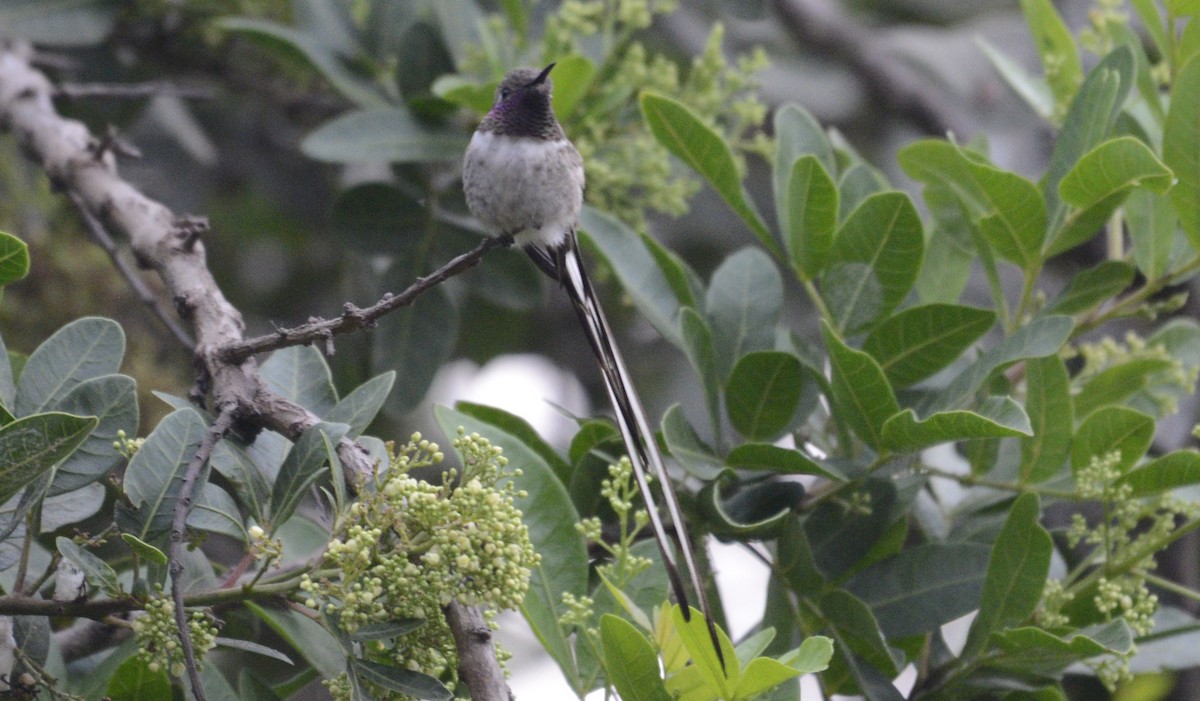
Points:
x=565, y=265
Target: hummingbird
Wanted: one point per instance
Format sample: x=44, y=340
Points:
x=524, y=180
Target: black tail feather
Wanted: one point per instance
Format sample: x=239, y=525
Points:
x=565, y=265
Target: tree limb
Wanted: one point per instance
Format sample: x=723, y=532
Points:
x=477, y=665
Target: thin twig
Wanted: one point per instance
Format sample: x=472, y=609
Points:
x=178, y=524
x=132, y=91
x=354, y=318
x=100, y=235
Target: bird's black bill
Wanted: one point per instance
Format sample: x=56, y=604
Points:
x=565, y=266
x=541, y=77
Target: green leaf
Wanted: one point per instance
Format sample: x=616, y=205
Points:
x=874, y=260
x=32, y=446
x=1051, y=415
x=797, y=134
x=919, y=341
x=1116, y=384
x=855, y=630
x=59, y=22
x=1152, y=226
x=83, y=349
x=683, y=133
x=98, y=570
x=155, y=473
x=860, y=389
x=71, y=507
x=840, y=539
x=1041, y=337
x=300, y=373
x=1007, y=208
x=112, y=399
x=757, y=512
x=762, y=674
x=743, y=304
x=133, y=681
x=550, y=518
x=1034, y=650
x=8, y=387
x=633, y=264
x=1112, y=429
x=1152, y=22
x=1016, y=574
x=698, y=346
x=389, y=134
x=996, y=417
x=1060, y=57
x=236, y=465
x=784, y=461
x=1091, y=287
x=697, y=458
x=387, y=629
x=307, y=637
x=572, y=76
x=1089, y=120
x=811, y=657
x=1171, y=471
x=358, y=409
x=809, y=217
x=301, y=470
x=404, y=681
x=256, y=648
x=923, y=587
x=144, y=550
x=415, y=341
x=374, y=218
x=630, y=660
x=763, y=393
x=1181, y=147
x=857, y=183
x=1114, y=166
x=696, y=639
x=216, y=512
x=14, y=257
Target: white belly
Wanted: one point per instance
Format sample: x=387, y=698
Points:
x=529, y=188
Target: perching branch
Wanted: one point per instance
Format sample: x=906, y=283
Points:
x=131, y=91
x=84, y=167
x=477, y=665
x=354, y=318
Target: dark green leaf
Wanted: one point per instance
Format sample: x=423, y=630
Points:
x=415, y=341
x=762, y=394
x=742, y=305
x=96, y=569
x=683, y=133
x=855, y=629
x=1016, y=574
x=636, y=268
x=249, y=483
x=995, y=417
x=83, y=349
x=876, y=256
x=860, y=389
x=1178, y=469
x=840, y=539
x=300, y=373
x=112, y=399
x=358, y=409
x=71, y=507
x=307, y=637
x=1114, y=166
x=1041, y=337
x=301, y=470
x=32, y=446
x=1033, y=650
x=1181, y=147
x=784, y=461
x=631, y=661
x=404, y=681
x=697, y=458
x=1088, y=122
x=14, y=254
x=1048, y=404
x=1112, y=429
x=550, y=517
x=698, y=346
x=810, y=216
x=383, y=134
x=757, y=512
x=216, y=512
x=919, y=341
x=133, y=681
x=155, y=474
x=256, y=648
x=324, y=50
x=376, y=218
x=923, y=587
x=1091, y=287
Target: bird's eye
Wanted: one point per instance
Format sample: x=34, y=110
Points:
x=504, y=93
